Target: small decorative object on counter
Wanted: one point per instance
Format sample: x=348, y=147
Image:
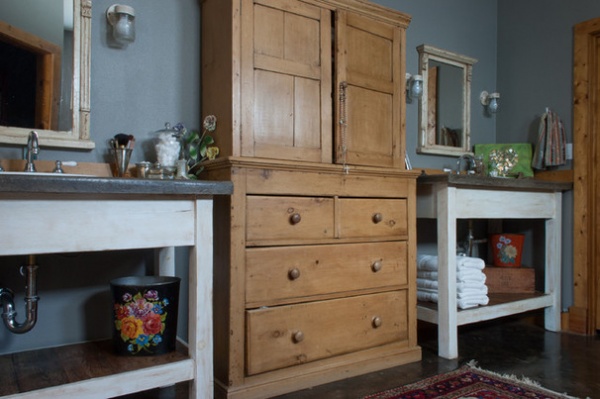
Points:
x=145, y=314
x=121, y=147
x=199, y=147
x=502, y=162
x=507, y=249
x=168, y=147
x=142, y=169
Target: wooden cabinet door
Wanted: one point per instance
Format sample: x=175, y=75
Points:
x=370, y=83
x=286, y=81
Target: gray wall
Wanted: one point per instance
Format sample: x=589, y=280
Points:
x=523, y=51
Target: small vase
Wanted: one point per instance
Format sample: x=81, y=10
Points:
x=181, y=169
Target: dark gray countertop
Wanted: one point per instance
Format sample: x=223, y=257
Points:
x=495, y=183
x=110, y=185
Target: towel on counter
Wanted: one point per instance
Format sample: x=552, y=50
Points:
x=550, y=149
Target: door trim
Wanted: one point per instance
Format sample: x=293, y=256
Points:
x=583, y=315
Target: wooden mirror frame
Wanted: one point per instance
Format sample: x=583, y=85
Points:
x=427, y=130
x=79, y=135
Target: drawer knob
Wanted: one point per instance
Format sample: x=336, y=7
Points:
x=295, y=218
x=377, y=265
x=298, y=337
x=376, y=322
x=294, y=274
x=377, y=218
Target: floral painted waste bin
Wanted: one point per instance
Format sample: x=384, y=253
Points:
x=145, y=314
x=507, y=249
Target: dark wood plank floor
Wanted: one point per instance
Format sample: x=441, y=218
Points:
x=517, y=345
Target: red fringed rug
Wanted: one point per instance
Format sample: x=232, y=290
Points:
x=470, y=382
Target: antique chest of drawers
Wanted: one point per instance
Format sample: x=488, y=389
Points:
x=314, y=279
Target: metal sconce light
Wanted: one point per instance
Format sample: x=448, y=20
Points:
x=122, y=20
x=414, y=86
x=490, y=101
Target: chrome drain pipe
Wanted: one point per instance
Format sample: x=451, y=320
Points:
x=9, y=315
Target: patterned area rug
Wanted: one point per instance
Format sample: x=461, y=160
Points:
x=470, y=382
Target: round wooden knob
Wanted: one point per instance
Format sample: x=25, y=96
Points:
x=294, y=274
x=298, y=336
x=377, y=218
x=377, y=265
x=376, y=322
x=295, y=218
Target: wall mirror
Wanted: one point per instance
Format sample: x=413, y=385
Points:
x=444, y=109
x=46, y=85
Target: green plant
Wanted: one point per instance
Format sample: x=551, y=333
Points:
x=197, y=147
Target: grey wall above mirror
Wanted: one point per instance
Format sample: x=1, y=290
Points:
x=444, y=109
x=57, y=55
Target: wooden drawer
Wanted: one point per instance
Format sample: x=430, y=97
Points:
x=283, y=274
x=372, y=217
x=283, y=336
x=281, y=218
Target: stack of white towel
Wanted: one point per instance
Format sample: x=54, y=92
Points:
x=471, y=290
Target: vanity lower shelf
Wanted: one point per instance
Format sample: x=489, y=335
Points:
x=500, y=305
x=88, y=368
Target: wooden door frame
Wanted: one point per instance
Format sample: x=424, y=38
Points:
x=583, y=315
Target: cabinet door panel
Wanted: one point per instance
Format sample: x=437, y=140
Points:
x=288, y=101
x=279, y=274
x=369, y=78
x=288, y=335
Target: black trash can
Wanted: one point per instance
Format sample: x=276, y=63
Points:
x=145, y=314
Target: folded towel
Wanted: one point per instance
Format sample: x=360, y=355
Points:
x=460, y=295
x=462, y=276
x=430, y=263
x=466, y=262
x=460, y=303
x=460, y=286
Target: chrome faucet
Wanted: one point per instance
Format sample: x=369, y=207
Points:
x=470, y=163
x=33, y=148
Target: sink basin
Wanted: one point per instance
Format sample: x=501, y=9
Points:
x=40, y=174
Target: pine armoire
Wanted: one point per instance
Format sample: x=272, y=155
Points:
x=315, y=251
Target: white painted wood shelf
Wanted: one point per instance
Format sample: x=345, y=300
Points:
x=448, y=198
x=75, y=214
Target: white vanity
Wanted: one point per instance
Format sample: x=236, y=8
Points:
x=103, y=214
x=448, y=198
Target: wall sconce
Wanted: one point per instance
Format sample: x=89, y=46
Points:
x=490, y=101
x=414, y=86
x=122, y=20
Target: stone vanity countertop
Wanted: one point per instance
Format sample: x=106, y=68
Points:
x=44, y=184
x=495, y=183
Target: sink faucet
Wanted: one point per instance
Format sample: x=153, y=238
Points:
x=470, y=163
x=32, y=149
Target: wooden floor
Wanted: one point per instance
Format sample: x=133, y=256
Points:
x=515, y=345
